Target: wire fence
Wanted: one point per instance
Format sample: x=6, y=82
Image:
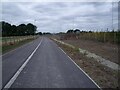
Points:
x=111, y=37
x=14, y=39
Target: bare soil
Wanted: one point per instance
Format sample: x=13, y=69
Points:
x=102, y=75
x=105, y=50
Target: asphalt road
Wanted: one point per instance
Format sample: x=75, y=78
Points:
x=49, y=67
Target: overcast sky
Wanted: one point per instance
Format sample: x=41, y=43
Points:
x=60, y=16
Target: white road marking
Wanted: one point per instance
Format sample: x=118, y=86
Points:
x=81, y=69
x=8, y=85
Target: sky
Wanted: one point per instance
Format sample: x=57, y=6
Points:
x=57, y=17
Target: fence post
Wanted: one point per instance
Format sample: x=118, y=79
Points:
x=104, y=36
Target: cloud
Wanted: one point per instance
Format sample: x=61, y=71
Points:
x=61, y=16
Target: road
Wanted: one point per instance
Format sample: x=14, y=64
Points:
x=49, y=67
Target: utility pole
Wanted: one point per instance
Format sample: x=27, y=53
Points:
x=114, y=33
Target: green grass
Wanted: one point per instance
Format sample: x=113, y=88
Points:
x=8, y=48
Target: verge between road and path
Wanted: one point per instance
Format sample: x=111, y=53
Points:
x=11, y=81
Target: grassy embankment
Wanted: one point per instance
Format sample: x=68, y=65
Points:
x=102, y=75
x=10, y=43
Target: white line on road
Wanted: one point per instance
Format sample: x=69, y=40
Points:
x=81, y=69
x=8, y=85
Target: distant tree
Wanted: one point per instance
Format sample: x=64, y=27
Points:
x=31, y=29
x=21, y=30
x=3, y=29
x=14, y=30
x=70, y=31
x=6, y=29
x=39, y=33
x=76, y=31
x=61, y=33
x=90, y=31
x=83, y=31
x=46, y=33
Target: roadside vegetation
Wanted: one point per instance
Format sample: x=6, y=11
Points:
x=100, y=36
x=102, y=43
x=13, y=36
x=102, y=75
x=20, y=30
x=10, y=43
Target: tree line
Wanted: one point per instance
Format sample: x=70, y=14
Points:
x=20, y=30
x=102, y=36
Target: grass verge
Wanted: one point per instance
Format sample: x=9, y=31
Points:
x=102, y=75
x=7, y=48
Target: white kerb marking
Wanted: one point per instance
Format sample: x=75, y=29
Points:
x=8, y=85
x=81, y=70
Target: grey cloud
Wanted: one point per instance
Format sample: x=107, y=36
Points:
x=11, y=9
x=60, y=16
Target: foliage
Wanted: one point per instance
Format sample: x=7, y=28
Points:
x=46, y=33
x=106, y=36
x=39, y=33
x=20, y=30
x=70, y=31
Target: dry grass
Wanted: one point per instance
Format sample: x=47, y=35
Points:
x=105, y=50
x=11, y=45
x=103, y=76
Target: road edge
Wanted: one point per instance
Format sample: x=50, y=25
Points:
x=11, y=81
x=16, y=48
x=81, y=69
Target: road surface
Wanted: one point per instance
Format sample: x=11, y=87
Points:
x=49, y=67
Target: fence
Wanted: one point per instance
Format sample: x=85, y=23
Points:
x=112, y=37
x=14, y=39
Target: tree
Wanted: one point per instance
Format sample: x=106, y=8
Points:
x=40, y=33
x=70, y=31
x=6, y=29
x=46, y=33
x=21, y=30
x=14, y=30
x=76, y=31
x=31, y=29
